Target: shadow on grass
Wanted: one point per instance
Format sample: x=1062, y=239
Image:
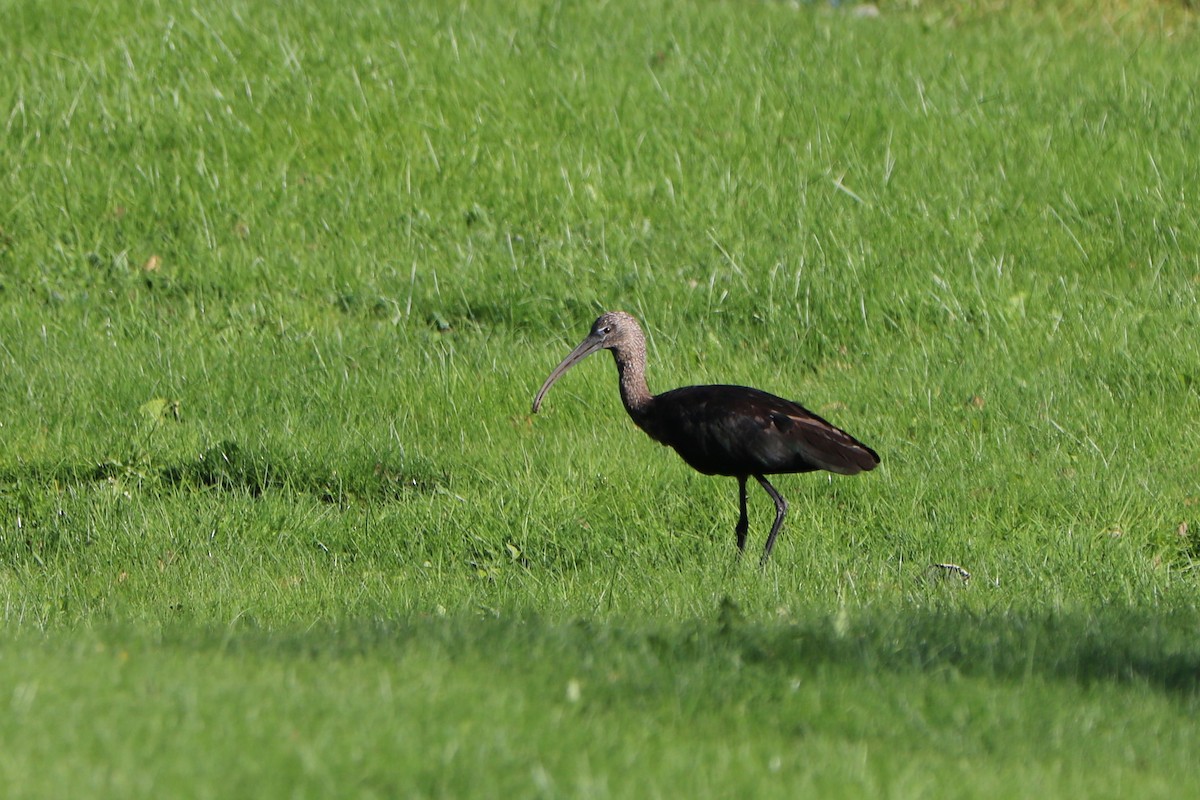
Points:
x=1123, y=645
x=229, y=467
x=1115, y=645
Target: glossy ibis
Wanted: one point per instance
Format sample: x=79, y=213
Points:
x=721, y=430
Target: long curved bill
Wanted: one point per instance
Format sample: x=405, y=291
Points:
x=588, y=346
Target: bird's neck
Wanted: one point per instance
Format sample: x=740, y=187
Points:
x=631, y=366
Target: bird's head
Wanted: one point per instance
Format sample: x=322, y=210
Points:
x=612, y=330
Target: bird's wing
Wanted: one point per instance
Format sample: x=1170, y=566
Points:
x=739, y=430
x=815, y=441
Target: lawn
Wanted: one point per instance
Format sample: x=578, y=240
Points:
x=278, y=283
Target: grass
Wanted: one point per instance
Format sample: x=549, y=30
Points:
x=277, y=285
x=457, y=708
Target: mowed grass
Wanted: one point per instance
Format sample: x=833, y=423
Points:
x=277, y=285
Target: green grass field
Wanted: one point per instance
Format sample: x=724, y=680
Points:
x=278, y=283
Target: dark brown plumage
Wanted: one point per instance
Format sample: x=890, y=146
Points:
x=721, y=430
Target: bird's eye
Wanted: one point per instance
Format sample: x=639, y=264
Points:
x=607, y=329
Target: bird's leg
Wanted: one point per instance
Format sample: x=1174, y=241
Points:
x=780, y=513
x=743, y=524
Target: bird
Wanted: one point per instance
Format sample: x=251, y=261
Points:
x=733, y=431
